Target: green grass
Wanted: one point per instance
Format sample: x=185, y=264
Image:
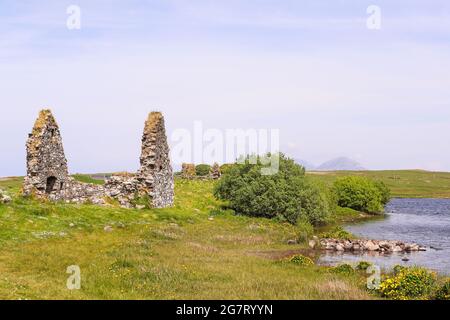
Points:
x=195, y=250
x=403, y=183
x=87, y=179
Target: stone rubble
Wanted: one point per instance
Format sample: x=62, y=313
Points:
x=215, y=171
x=360, y=245
x=123, y=188
x=48, y=178
x=4, y=198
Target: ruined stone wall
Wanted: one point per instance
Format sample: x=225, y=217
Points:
x=188, y=171
x=125, y=189
x=215, y=172
x=156, y=174
x=47, y=172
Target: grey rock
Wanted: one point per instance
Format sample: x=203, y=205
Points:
x=4, y=198
x=369, y=245
x=312, y=244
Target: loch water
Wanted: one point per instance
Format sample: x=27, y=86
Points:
x=423, y=221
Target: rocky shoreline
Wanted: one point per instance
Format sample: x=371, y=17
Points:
x=360, y=245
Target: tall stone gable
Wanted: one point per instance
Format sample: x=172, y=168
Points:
x=155, y=172
x=47, y=172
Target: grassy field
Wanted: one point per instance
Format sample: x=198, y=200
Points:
x=403, y=183
x=195, y=250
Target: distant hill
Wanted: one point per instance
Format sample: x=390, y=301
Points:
x=341, y=163
x=306, y=164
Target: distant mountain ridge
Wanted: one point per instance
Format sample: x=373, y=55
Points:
x=336, y=164
x=306, y=164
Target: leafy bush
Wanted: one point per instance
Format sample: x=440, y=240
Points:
x=301, y=260
x=443, y=293
x=385, y=192
x=408, y=283
x=363, y=265
x=286, y=194
x=359, y=193
x=226, y=167
x=317, y=201
x=344, y=269
x=337, y=233
x=202, y=169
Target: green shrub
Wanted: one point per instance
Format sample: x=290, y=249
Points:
x=337, y=233
x=344, y=269
x=301, y=260
x=226, y=167
x=385, y=192
x=363, y=265
x=316, y=199
x=202, y=170
x=359, y=193
x=443, y=293
x=408, y=283
x=286, y=194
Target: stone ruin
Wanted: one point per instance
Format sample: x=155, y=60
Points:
x=47, y=172
x=215, y=171
x=155, y=174
x=188, y=171
x=48, y=177
x=155, y=177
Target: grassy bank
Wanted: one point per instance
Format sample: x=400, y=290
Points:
x=403, y=183
x=195, y=250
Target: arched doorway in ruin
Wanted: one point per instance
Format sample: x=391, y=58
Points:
x=51, y=181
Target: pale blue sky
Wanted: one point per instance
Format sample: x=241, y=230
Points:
x=310, y=68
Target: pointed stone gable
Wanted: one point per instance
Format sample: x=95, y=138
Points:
x=47, y=171
x=156, y=171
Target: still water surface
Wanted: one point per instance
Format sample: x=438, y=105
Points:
x=423, y=221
